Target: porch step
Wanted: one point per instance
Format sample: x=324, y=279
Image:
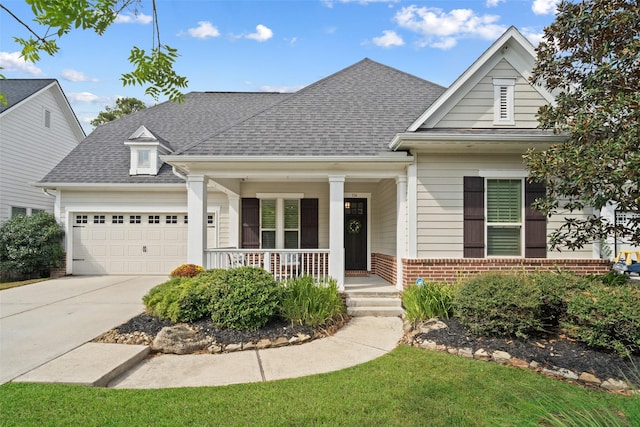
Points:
x=381, y=301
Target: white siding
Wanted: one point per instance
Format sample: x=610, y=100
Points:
x=383, y=212
x=475, y=110
x=29, y=150
x=440, y=202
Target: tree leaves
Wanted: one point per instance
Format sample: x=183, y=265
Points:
x=59, y=17
x=590, y=57
x=124, y=106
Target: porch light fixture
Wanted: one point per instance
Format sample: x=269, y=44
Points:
x=347, y=205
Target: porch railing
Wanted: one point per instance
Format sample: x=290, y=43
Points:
x=282, y=263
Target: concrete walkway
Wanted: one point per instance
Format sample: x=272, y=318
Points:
x=122, y=366
x=45, y=320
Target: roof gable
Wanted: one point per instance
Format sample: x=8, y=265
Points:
x=20, y=91
x=353, y=112
x=512, y=47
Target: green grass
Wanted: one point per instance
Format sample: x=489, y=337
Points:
x=9, y=285
x=406, y=387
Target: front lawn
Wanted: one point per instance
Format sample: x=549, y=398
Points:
x=406, y=387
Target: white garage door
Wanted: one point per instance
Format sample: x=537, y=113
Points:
x=131, y=243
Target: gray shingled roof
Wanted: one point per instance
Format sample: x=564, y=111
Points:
x=17, y=90
x=354, y=112
x=102, y=156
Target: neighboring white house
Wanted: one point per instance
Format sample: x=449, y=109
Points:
x=38, y=129
x=367, y=170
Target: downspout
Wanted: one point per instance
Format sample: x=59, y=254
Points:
x=178, y=174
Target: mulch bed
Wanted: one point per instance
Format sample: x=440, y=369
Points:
x=551, y=349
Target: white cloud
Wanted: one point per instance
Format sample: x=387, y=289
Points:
x=85, y=98
x=262, y=34
x=534, y=36
x=442, y=30
x=76, y=76
x=281, y=89
x=494, y=3
x=129, y=18
x=544, y=7
x=13, y=61
x=388, y=39
x=203, y=30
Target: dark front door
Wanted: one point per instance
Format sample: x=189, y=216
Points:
x=355, y=234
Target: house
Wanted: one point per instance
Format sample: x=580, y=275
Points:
x=367, y=171
x=38, y=129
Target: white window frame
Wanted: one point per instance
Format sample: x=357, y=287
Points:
x=280, y=230
x=521, y=224
x=506, y=104
x=46, y=118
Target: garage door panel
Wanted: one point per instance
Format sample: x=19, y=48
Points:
x=125, y=243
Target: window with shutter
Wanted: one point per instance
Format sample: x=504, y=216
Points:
x=504, y=217
x=268, y=224
x=502, y=221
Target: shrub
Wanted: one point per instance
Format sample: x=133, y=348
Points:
x=186, y=270
x=181, y=299
x=244, y=298
x=500, y=304
x=31, y=245
x=428, y=300
x=161, y=299
x=307, y=302
x=606, y=317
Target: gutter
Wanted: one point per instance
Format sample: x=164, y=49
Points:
x=416, y=139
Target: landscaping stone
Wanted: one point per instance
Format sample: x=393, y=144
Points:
x=586, y=377
x=501, y=356
x=230, y=348
x=560, y=372
x=466, y=352
x=178, y=339
x=263, y=343
x=215, y=348
x=519, y=363
x=432, y=325
x=614, y=385
x=429, y=345
x=481, y=354
x=248, y=346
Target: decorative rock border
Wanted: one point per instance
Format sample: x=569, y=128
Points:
x=504, y=358
x=181, y=338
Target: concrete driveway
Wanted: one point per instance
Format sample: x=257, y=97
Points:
x=43, y=321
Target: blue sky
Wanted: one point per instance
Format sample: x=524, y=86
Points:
x=242, y=45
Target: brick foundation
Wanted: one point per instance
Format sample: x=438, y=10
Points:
x=384, y=266
x=453, y=269
x=56, y=273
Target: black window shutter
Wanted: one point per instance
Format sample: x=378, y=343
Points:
x=250, y=223
x=535, y=228
x=309, y=224
x=473, y=217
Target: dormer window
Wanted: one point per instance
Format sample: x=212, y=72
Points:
x=503, y=99
x=143, y=159
x=146, y=149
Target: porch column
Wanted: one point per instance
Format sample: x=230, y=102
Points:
x=412, y=208
x=336, y=229
x=401, y=227
x=197, y=211
x=234, y=220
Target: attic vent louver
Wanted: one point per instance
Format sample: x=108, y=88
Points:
x=503, y=90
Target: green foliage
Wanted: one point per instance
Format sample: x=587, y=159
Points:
x=31, y=245
x=59, y=17
x=500, y=304
x=307, y=302
x=156, y=69
x=589, y=56
x=182, y=299
x=606, y=317
x=186, y=270
x=431, y=299
x=124, y=106
x=244, y=298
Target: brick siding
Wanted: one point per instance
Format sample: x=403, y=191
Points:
x=453, y=269
x=384, y=266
